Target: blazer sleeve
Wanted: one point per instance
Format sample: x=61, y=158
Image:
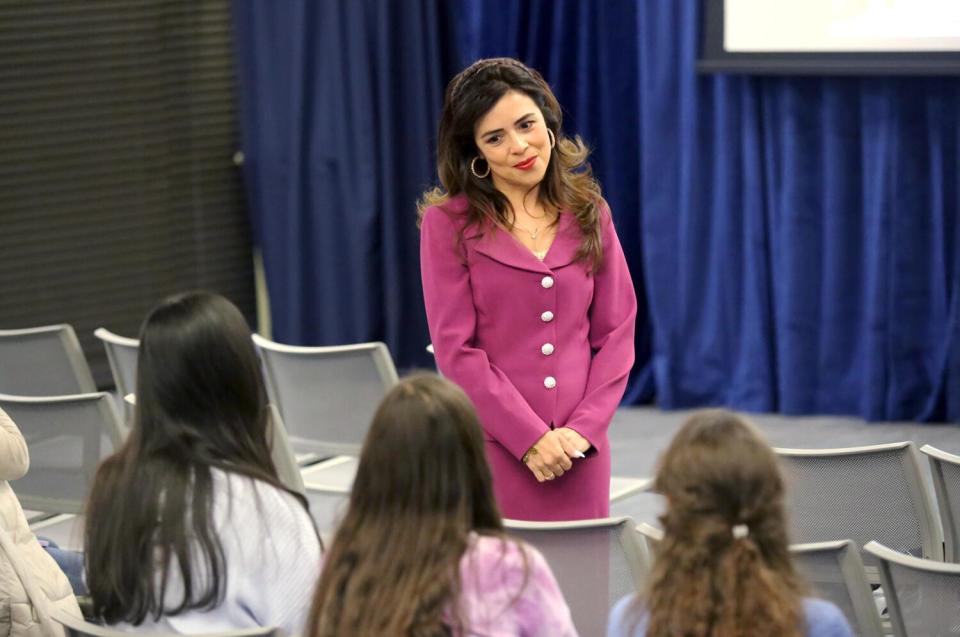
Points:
x=14, y=457
x=612, y=315
x=452, y=318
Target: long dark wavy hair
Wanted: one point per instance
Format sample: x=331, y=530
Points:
x=718, y=474
x=201, y=404
x=422, y=486
x=568, y=183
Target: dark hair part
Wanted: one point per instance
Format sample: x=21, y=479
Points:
x=716, y=474
x=423, y=484
x=568, y=183
x=200, y=404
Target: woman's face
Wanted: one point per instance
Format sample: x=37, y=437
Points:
x=512, y=138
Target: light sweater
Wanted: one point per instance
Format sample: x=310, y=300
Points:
x=272, y=558
x=507, y=589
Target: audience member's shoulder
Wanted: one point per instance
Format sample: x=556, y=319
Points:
x=501, y=561
x=490, y=549
x=824, y=619
x=250, y=494
x=626, y=619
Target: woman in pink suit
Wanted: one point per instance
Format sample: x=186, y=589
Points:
x=528, y=297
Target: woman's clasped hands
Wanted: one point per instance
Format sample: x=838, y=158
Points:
x=553, y=454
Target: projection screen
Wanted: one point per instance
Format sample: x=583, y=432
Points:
x=831, y=36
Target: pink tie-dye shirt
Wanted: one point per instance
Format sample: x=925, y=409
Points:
x=508, y=590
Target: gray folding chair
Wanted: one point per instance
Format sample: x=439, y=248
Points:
x=67, y=436
x=327, y=397
x=923, y=596
x=862, y=494
x=834, y=570
x=122, y=353
x=596, y=563
x=77, y=627
x=945, y=468
x=43, y=361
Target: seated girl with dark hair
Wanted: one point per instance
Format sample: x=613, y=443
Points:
x=421, y=551
x=188, y=529
x=723, y=568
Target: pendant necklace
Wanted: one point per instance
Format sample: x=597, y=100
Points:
x=533, y=233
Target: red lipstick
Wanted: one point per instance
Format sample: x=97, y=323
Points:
x=526, y=164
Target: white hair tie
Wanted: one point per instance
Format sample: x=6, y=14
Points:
x=740, y=531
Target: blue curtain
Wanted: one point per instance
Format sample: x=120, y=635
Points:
x=800, y=235
x=794, y=241
x=338, y=104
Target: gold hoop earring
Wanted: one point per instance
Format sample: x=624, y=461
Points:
x=553, y=138
x=473, y=168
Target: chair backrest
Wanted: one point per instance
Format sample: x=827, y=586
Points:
x=862, y=494
x=945, y=468
x=834, y=571
x=921, y=595
x=77, y=627
x=43, y=361
x=122, y=352
x=282, y=453
x=67, y=436
x=327, y=395
x=596, y=562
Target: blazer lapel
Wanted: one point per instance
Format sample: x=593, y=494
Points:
x=564, y=248
x=499, y=245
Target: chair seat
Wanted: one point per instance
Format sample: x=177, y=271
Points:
x=307, y=458
x=334, y=475
x=621, y=487
x=65, y=529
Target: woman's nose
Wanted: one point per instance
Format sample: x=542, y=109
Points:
x=518, y=143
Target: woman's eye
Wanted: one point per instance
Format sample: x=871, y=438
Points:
x=526, y=125
x=494, y=139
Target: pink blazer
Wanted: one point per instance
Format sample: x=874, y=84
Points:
x=535, y=345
